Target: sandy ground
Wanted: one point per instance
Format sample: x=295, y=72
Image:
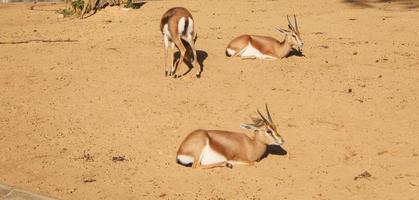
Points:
x=66, y=109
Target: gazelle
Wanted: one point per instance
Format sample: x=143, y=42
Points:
x=217, y=148
x=264, y=47
x=176, y=25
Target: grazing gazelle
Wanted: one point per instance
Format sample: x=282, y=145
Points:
x=176, y=25
x=264, y=47
x=217, y=148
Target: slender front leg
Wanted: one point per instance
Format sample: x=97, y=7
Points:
x=220, y=164
x=248, y=57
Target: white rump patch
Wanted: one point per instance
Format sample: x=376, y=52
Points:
x=181, y=25
x=166, y=35
x=230, y=52
x=185, y=159
x=209, y=156
x=166, y=30
x=250, y=51
x=190, y=26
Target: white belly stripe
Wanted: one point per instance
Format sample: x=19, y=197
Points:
x=250, y=51
x=209, y=156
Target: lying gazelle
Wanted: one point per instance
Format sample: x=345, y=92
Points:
x=216, y=148
x=263, y=47
x=176, y=25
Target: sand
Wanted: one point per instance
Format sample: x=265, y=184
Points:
x=348, y=106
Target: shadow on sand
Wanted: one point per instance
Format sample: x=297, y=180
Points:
x=274, y=150
x=295, y=52
x=200, y=54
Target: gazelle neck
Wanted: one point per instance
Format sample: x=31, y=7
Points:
x=283, y=48
x=259, y=147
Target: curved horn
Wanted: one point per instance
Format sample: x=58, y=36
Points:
x=296, y=26
x=263, y=118
x=269, y=115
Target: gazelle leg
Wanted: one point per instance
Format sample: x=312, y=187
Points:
x=239, y=162
x=166, y=69
x=219, y=164
x=182, y=51
x=248, y=57
x=195, y=58
x=197, y=164
x=169, y=54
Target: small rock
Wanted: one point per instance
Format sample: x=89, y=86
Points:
x=89, y=180
x=349, y=90
x=119, y=158
x=364, y=174
x=61, y=16
x=412, y=183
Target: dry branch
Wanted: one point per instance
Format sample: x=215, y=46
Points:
x=36, y=40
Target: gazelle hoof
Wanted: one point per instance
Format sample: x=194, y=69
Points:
x=166, y=73
x=176, y=76
x=229, y=165
x=198, y=76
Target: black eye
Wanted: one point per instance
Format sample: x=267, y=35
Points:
x=269, y=131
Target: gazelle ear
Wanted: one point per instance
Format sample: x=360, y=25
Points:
x=249, y=127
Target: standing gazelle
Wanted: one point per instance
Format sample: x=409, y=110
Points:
x=263, y=47
x=176, y=25
x=216, y=148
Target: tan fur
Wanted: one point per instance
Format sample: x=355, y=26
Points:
x=172, y=18
x=268, y=46
x=237, y=148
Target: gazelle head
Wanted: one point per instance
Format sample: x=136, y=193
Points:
x=265, y=127
x=293, y=33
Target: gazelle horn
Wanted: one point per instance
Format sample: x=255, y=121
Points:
x=263, y=118
x=267, y=112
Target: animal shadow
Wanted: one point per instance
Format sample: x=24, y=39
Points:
x=200, y=54
x=133, y=5
x=274, y=150
x=295, y=52
x=137, y=5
